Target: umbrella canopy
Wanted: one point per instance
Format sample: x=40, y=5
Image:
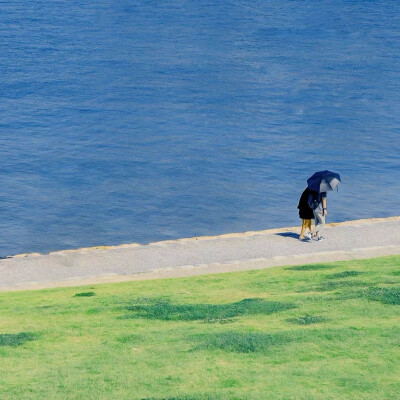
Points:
x=324, y=181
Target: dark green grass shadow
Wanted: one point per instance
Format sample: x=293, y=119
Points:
x=17, y=339
x=85, y=294
x=385, y=295
x=310, y=267
x=243, y=342
x=334, y=285
x=307, y=320
x=262, y=342
x=211, y=313
x=344, y=274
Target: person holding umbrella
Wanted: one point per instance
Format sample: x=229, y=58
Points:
x=319, y=184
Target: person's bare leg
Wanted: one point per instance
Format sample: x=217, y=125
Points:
x=309, y=226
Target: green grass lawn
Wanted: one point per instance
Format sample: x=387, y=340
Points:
x=323, y=331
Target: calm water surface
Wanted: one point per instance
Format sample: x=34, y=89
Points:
x=138, y=121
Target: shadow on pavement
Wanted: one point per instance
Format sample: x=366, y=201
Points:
x=293, y=235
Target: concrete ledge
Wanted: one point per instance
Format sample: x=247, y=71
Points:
x=199, y=238
x=204, y=255
x=215, y=268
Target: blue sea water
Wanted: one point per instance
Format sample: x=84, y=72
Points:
x=137, y=121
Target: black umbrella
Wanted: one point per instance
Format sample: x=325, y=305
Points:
x=324, y=181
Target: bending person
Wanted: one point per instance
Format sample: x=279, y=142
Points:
x=306, y=214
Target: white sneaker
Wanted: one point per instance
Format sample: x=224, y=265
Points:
x=308, y=235
x=317, y=238
x=320, y=239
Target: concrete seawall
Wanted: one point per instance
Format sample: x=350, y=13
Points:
x=200, y=255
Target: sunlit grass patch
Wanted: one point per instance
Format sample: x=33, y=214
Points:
x=92, y=311
x=16, y=339
x=128, y=338
x=85, y=294
x=310, y=267
x=208, y=312
x=344, y=274
x=188, y=397
x=307, y=320
x=244, y=342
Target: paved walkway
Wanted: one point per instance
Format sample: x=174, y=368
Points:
x=194, y=256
